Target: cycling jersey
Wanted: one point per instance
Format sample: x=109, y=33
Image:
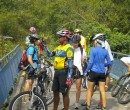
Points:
x=63, y=57
x=83, y=42
x=62, y=53
x=98, y=55
x=32, y=51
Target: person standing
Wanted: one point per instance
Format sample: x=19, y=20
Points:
x=63, y=64
x=98, y=58
x=32, y=57
x=78, y=66
x=83, y=40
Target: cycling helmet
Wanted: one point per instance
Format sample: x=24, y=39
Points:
x=99, y=36
x=64, y=33
x=77, y=30
x=32, y=29
x=34, y=36
x=76, y=38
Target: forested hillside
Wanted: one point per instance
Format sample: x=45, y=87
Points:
x=48, y=16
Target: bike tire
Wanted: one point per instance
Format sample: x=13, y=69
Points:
x=125, y=91
x=11, y=105
x=48, y=93
x=116, y=88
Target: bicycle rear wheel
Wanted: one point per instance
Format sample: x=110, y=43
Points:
x=48, y=93
x=27, y=101
x=124, y=94
x=116, y=88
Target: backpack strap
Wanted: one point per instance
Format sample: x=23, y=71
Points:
x=34, y=49
x=81, y=49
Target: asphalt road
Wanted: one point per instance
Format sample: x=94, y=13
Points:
x=112, y=103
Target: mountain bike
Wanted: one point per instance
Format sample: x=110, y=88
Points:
x=124, y=93
x=47, y=80
x=33, y=99
x=117, y=87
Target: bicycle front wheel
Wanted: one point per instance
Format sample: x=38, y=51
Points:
x=27, y=101
x=124, y=94
x=116, y=88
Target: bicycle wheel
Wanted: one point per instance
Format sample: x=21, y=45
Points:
x=117, y=86
x=48, y=93
x=27, y=101
x=124, y=94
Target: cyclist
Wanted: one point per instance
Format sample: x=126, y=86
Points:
x=83, y=40
x=78, y=64
x=63, y=63
x=107, y=47
x=98, y=56
x=126, y=61
x=32, y=59
x=32, y=30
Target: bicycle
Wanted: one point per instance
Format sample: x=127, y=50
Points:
x=124, y=93
x=31, y=100
x=117, y=87
x=47, y=80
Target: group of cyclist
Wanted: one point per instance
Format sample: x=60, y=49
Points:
x=69, y=57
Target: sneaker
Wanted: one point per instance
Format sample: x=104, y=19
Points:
x=87, y=108
x=104, y=108
x=84, y=104
x=99, y=106
x=77, y=105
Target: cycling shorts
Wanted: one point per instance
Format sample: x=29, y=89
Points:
x=59, y=82
x=96, y=77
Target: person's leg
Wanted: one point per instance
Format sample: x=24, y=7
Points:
x=89, y=92
x=103, y=93
x=66, y=101
x=28, y=85
x=56, y=100
x=78, y=89
x=107, y=80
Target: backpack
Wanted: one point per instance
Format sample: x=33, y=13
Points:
x=24, y=60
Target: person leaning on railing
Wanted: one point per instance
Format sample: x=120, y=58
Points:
x=98, y=55
x=63, y=63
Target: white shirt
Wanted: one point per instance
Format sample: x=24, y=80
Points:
x=107, y=47
x=78, y=59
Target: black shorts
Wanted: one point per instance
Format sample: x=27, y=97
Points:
x=76, y=73
x=96, y=77
x=59, y=82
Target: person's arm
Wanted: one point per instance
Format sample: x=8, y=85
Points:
x=30, y=52
x=30, y=61
x=49, y=53
x=90, y=64
x=70, y=54
x=109, y=63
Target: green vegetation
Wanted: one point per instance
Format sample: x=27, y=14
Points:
x=48, y=16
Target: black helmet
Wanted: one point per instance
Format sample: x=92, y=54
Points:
x=34, y=36
x=99, y=36
x=76, y=38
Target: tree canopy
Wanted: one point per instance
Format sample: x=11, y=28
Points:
x=49, y=16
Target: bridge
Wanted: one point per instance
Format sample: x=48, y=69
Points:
x=9, y=74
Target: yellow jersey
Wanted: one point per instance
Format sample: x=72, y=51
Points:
x=62, y=53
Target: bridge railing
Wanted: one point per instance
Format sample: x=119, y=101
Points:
x=118, y=68
x=8, y=71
